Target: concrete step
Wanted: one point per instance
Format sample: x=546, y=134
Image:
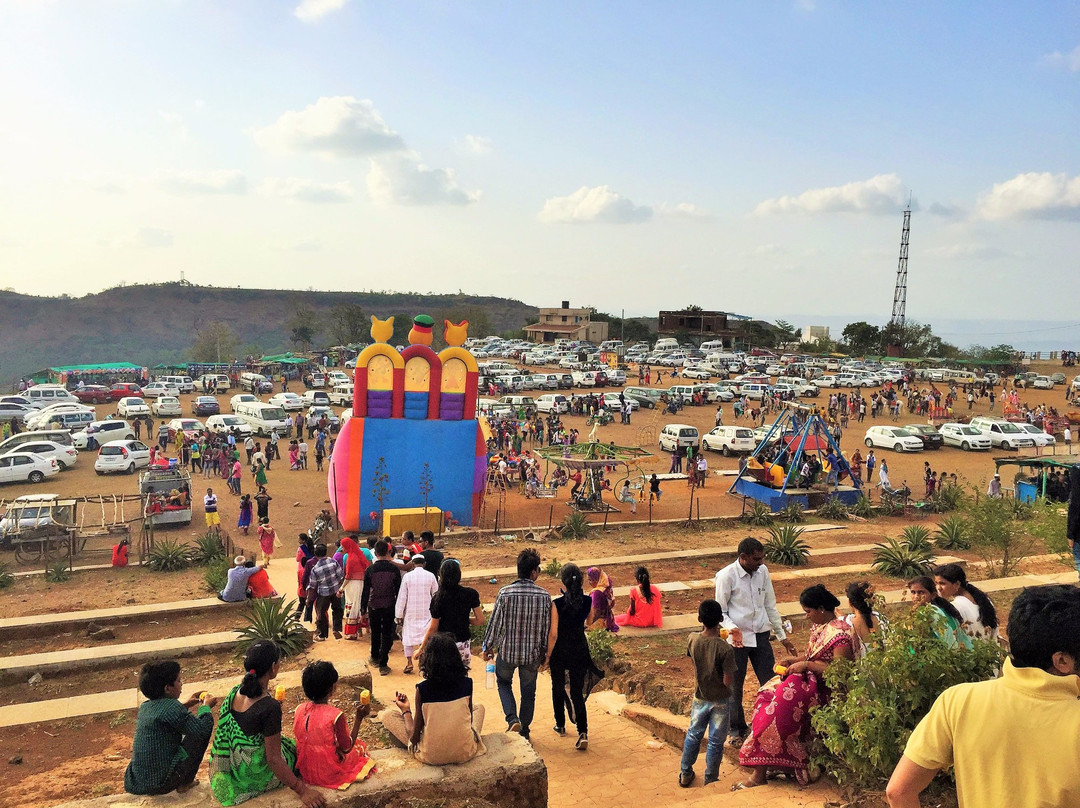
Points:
x=31, y=625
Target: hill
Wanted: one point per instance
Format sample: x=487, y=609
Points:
x=148, y=324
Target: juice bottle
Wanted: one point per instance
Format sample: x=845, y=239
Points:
x=279, y=692
x=779, y=670
x=365, y=696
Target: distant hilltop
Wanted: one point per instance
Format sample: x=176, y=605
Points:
x=155, y=323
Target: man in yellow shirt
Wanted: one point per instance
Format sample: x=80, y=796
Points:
x=1013, y=741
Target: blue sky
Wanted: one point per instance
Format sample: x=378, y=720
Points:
x=751, y=157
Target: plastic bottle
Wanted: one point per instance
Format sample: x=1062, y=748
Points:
x=279, y=692
x=779, y=670
x=365, y=696
x=490, y=668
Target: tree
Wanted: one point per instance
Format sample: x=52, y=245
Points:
x=348, y=324
x=303, y=326
x=402, y=327
x=215, y=342
x=861, y=338
x=917, y=340
x=785, y=331
x=693, y=307
x=997, y=536
x=627, y=329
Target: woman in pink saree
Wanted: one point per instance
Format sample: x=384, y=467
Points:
x=780, y=729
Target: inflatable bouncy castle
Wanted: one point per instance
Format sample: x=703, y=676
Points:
x=410, y=408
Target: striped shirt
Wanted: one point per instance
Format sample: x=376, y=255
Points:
x=326, y=577
x=519, y=623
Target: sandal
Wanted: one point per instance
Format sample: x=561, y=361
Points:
x=408, y=668
x=742, y=786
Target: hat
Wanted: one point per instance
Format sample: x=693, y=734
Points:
x=239, y=561
x=997, y=475
x=417, y=559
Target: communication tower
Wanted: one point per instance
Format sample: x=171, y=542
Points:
x=899, y=303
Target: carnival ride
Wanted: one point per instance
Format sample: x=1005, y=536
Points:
x=592, y=459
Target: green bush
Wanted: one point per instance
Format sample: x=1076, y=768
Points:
x=946, y=499
x=863, y=508
x=208, y=549
x=786, y=547
x=1049, y=525
x=952, y=534
x=601, y=645
x=574, y=526
x=833, y=509
x=58, y=573
x=216, y=575
x=552, y=568
x=997, y=536
x=917, y=537
x=476, y=633
x=168, y=556
x=758, y=513
x=897, y=559
x=890, y=506
x=6, y=578
x=1022, y=511
x=273, y=619
x=792, y=513
x=877, y=703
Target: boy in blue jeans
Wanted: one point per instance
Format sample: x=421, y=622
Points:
x=714, y=665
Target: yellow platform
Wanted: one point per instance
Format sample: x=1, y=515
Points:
x=396, y=521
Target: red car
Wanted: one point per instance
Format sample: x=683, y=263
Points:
x=93, y=394
x=125, y=389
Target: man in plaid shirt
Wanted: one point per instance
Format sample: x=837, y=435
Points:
x=522, y=628
x=325, y=583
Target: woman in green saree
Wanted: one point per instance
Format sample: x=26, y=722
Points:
x=248, y=756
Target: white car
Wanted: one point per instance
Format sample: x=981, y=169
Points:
x=552, y=402
x=132, y=407
x=290, y=402
x=103, y=432
x=314, y=414
x=224, y=424
x=717, y=393
x=166, y=406
x=584, y=378
x=245, y=398
x=1003, y=434
x=964, y=436
x=729, y=440
x=1043, y=383
x=122, y=455
x=611, y=402
x=1042, y=438
x=774, y=370
x=826, y=381
x=158, y=389
x=17, y=467
x=703, y=372
x=336, y=377
x=191, y=427
x=893, y=437
x=65, y=456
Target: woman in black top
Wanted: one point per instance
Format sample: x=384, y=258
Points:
x=453, y=609
x=571, y=655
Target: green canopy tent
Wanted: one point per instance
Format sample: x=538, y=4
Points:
x=100, y=370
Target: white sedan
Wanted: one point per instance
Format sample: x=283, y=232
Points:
x=893, y=437
x=246, y=398
x=65, y=456
x=717, y=393
x=611, y=402
x=122, y=455
x=1043, y=383
x=132, y=407
x=697, y=372
x=1041, y=437
x=158, y=389
x=17, y=467
x=166, y=406
x=224, y=424
x=964, y=436
x=290, y=402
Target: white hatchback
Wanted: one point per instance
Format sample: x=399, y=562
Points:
x=893, y=437
x=166, y=406
x=224, y=424
x=132, y=407
x=290, y=402
x=158, y=389
x=65, y=456
x=964, y=436
x=122, y=455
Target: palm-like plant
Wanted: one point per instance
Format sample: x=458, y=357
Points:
x=168, y=556
x=792, y=513
x=952, y=534
x=273, y=619
x=208, y=549
x=917, y=537
x=786, y=546
x=758, y=514
x=6, y=578
x=897, y=559
x=863, y=508
x=833, y=509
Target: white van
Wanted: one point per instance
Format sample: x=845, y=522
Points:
x=256, y=383
x=678, y=436
x=71, y=419
x=42, y=395
x=219, y=382
x=754, y=391
x=518, y=402
x=265, y=418
x=712, y=345
x=666, y=344
x=729, y=440
x=1003, y=434
x=182, y=383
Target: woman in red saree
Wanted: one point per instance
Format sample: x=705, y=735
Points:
x=780, y=729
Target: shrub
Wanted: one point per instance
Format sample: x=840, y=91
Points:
x=758, y=514
x=947, y=499
x=476, y=633
x=997, y=537
x=552, y=568
x=273, y=619
x=6, y=578
x=601, y=645
x=1022, y=511
x=168, y=556
x=574, y=526
x=899, y=560
x=877, y=703
x=890, y=507
x=216, y=575
x=786, y=547
x=863, y=508
x=58, y=573
x=1049, y=525
x=917, y=537
x=792, y=513
x=833, y=509
x=208, y=549
x=952, y=534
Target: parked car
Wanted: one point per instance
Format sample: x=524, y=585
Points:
x=64, y=455
x=1003, y=434
x=42, y=395
x=166, y=406
x=717, y=393
x=314, y=414
x=125, y=390
x=611, y=402
x=729, y=440
x=132, y=407
x=316, y=398
x=1057, y=378
x=122, y=455
x=93, y=394
x=552, y=402
x=702, y=372
x=102, y=432
x=678, y=437
x=893, y=437
x=22, y=467
x=248, y=398
x=61, y=419
x=223, y=424
x=931, y=438
x=1042, y=383
x=290, y=402
x=158, y=389
x=1042, y=438
x=342, y=394
x=205, y=405
x=566, y=381
x=964, y=436
x=191, y=427
x=16, y=412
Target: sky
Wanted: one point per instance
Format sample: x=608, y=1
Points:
x=747, y=157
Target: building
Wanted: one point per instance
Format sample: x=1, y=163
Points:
x=813, y=333
x=567, y=323
x=699, y=326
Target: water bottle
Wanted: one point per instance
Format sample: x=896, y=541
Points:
x=490, y=668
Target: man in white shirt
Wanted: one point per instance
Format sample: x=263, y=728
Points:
x=745, y=593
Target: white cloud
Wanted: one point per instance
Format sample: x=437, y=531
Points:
x=174, y=122
x=401, y=179
x=315, y=10
x=767, y=249
x=150, y=237
x=682, y=210
x=479, y=144
x=1070, y=61
x=1033, y=196
x=599, y=204
x=306, y=190
x=877, y=195
x=945, y=211
x=202, y=182
x=338, y=126
x=983, y=252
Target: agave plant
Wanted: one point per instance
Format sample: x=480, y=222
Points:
x=758, y=514
x=208, y=549
x=952, y=534
x=168, y=556
x=273, y=619
x=890, y=507
x=6, y=578
x=897, y=559
x=863, y=508
x=216, y=575
x=917, y=537
x=786, y=546
x=574, y=526
x=950, y=498
x=58, y=573
x=833, y=508
x=792, y=513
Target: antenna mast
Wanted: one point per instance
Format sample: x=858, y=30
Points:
x=899, y=304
